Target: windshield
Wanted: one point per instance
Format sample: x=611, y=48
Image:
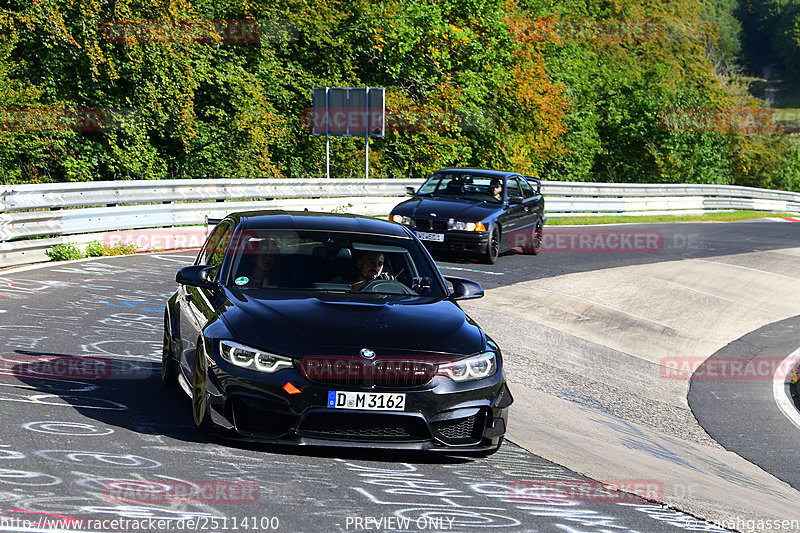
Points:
x=463, y=185
x=330, y=262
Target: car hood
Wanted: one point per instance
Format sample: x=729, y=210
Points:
x=315, y=326
x=446, y=208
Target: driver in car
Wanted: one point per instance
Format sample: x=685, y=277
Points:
x=370, y=267
x=496, y=188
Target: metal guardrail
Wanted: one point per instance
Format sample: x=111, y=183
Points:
x=33, y=218
x=628, y=190
x=112, y=193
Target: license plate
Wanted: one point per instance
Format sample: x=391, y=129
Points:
x=437, y=237
x=369, y=401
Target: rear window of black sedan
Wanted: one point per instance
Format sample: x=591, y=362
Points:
x=327, y=261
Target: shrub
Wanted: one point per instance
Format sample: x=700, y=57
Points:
x=96, y=249
x=64, y=252
x=121, y=249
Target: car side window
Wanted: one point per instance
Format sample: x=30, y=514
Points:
x=435, y=183
x=211, y=241
x=213, y=253
x=527, y=190
x=513, y=187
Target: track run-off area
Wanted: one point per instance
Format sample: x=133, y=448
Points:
x=649, y=367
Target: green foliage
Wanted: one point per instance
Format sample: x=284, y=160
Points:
x=727, y=48
x=120, y=249
x=97, y=249
x=537, y=86
x=64, y=252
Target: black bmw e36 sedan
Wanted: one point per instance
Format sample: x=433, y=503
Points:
x=476, y=212
x=331, y=329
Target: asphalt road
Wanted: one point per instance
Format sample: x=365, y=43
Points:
x=673, y=242
x=106, y=445
x=741, y=414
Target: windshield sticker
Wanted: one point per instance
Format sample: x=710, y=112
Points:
x=241, y=280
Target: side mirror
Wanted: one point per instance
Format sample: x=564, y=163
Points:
x=465, y=289
x=196, y=276
x=410, y=191
x=515, y=200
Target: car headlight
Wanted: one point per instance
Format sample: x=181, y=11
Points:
x=400, y=219
x=472, y=368
x=465, y=226
x=246, y=357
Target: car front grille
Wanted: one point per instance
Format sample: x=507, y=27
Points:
x=436, y=225
x=366, y=426
x=461, y=430
x=381, y=373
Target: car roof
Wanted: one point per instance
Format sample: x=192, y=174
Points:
x=482, y=171
x=309, y=220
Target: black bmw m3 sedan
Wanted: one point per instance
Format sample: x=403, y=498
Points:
x=331, y=329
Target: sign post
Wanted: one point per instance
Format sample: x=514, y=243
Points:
x=348, y=112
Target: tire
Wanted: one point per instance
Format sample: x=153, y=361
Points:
x=169, y=376
x=536, y=238
x=200, y=409
x=492, y=247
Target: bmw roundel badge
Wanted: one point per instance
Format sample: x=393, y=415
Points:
x=366, y=353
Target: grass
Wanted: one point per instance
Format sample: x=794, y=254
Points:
x=729, y=216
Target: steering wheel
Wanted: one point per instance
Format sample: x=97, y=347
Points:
x=388, y=286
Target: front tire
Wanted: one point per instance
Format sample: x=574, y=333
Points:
x=492, y=247
x=169, y=376
x=200, y=409
x=536, y=238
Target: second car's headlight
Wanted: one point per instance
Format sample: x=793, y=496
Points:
x=400, y=219
x=472, y=368
x=465, y=226
x=246, y=357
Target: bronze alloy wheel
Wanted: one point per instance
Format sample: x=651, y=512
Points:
x=199, y=395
